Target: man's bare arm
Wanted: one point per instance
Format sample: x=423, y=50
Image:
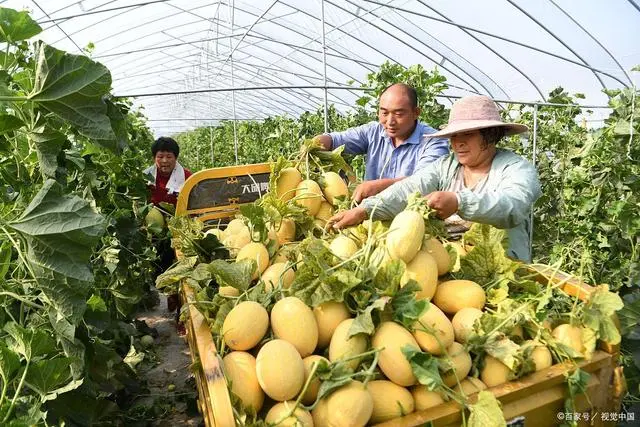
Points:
x=324, y=140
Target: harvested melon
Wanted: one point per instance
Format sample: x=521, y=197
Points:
x=257, y=252
x=342, y=348
x=324, y=213
x=334, y=186
x=293, y=321
x=424, y=398
x=389, y=401
x=312, y=391
x=278, y=412
x=285, y=231
x=469, y=386
x=236, y=240
x=280, y=370
x=463, y=322
x=228, y=291
x=461, y=364
x=570, y=336
x=494, y=372
x=320, y=414
x=350, y=406
x=234, y=226
x=240, y=370
x=424, y=270
x=540, y=354
x=392, y=362
x=433, y=331
x=154, y=219
x=454, y=295
x=277, y=272
x=309, y=196
x=405, y=235
x=328, y=316
x=216, y=232
x=434, y=248
x=343, y=247
x=245, y=325
x=287, y=182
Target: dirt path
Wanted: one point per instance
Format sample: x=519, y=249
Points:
x=172, y=393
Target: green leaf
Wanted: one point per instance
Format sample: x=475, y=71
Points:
x=9, y=123
x=46, y=376
x=503, y=349
x=332, y=288
x=61, y=231
x=406, y=308
x=29, y=342
x=48, y=145
x=96, y=303
x=487, y=261
x=256, y=216
x=332, y=377
x=602, y=304
x=363, y=323
x=168, y=281
x=236, y=274
x=9, y=363
x=424, y=367
x=5, y=258
x=72, y=87
x=629, y=315
x=16, y=26
x=388, y=278
x=486, y=411
x=576, y=385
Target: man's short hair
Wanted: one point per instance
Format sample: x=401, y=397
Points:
x=409, y=91
x=164, y=143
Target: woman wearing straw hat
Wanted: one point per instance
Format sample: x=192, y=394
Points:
x=476, y=183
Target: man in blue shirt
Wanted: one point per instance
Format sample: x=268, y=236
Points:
x=396, y=146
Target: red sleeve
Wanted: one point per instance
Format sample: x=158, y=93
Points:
x=187, y=173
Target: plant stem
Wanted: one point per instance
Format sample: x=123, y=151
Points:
x=17, y=393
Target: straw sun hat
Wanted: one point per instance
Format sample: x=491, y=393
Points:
x=476, y=112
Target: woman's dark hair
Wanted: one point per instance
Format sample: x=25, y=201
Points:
x=492, y=135
x=164, y=143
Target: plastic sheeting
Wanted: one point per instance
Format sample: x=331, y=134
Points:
x=271, y=51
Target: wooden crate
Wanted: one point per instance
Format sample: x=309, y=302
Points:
x=536, y=399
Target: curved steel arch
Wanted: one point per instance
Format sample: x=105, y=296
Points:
x=552, y=34
x=418, y=51
x=595, y=39
x=495, y=52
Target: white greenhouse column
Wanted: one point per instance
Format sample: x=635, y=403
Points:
x=233, y=92
x=324, y=71
x=534, y=161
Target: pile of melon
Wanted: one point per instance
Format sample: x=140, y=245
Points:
x=272, y=351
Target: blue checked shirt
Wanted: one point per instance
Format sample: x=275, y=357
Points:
x=383, y=159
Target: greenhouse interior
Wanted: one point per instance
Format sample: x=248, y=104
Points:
x=319, y=213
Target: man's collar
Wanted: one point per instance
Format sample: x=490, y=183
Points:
x=414, y=138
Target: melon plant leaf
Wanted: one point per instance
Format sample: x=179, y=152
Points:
x=16, y=26
x=29, y=343
x=9, y=363
x=629, y=315
x=487, y=261
x=486, y=411
x=5, y=258
x=9, y=123
x=61, y=231
x=48, y=146
x=237, y=275
x=168, y=281
x=388, y=278
x=363, y=323
x=72, y=87
x=424, y=367
x=45, y=376
x=602, y=304
x=406, y=308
